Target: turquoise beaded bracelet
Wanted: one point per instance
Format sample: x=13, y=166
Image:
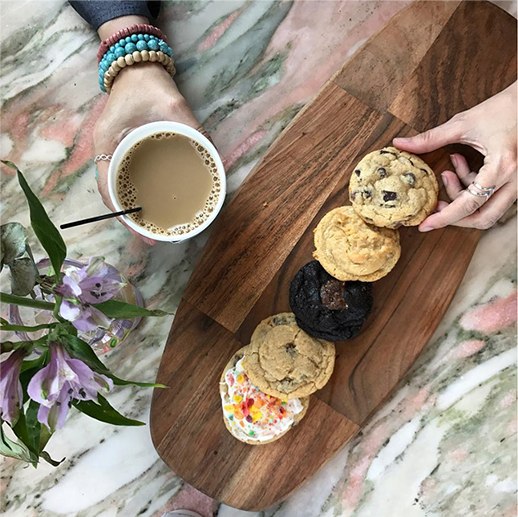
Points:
x=136, y=43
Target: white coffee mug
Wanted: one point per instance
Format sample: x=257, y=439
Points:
x=143, y=132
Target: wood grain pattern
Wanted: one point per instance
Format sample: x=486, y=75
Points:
x=379, y=69
x=212, y=450
x=254, y=252
x=437, y=89
x=319, y=144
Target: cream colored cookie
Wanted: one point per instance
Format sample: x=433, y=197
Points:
x=270, y=417
x=393, y=188
x=350, y=249
x=285, y=362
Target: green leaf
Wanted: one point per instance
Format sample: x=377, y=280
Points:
x=33, y=426
x=46, y=456
x=15, y=450
x=121, y=382
x=123, y=310
x=104, y=412
x=47, y=233
x=27, y=429
x=16, y=254
x=45, y=434
x=38, y=363
x=81, y=350
x=26, y=302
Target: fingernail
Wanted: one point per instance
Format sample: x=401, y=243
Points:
x=424, y=229
x=444, y=179
x=453, y=159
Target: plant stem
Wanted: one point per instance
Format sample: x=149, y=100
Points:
x=26, y=302
x=23, y=328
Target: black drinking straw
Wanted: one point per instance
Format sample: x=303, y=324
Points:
x=100, y=218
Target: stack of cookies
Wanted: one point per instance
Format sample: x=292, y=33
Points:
x=359, y=244
x=265, y=387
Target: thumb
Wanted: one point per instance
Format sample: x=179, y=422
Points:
x=448, y=133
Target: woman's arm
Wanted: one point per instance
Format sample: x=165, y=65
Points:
x=141, y=93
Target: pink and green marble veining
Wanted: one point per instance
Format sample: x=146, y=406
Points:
x=443, y=446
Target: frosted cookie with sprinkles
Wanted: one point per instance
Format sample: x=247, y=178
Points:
x=393, y=188
x=251, y=415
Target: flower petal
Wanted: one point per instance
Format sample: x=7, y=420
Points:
x=69, y=311
x=46, y=384
x=99, y=289
x=99, y=317
x=85, y=322
x=96, y=266
x=62, y=407
x=43, y=415
x=103, y=382
x=69, y=288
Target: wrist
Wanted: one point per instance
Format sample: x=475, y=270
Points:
x=112, y=26
x=138, y=75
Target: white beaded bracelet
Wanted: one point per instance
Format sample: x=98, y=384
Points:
x=137, y=57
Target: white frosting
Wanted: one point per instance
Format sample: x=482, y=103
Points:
x=272, y=418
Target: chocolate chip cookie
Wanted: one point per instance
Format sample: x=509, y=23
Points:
x=350, y=249
x=393, y=188
x=327, y=308
x=286, y=362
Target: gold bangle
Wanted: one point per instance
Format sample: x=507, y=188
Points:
x=137, y=57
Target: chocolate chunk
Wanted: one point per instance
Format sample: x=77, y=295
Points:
x=368, y=219
x=382, y=172
x=313, y=295
x=425, y=171
x=409, y=178
x=412, y=162
x=389, y=196
x=290, y=349
x=366, y=194
x=358, y=172
x=332, y=295
x=387, y=152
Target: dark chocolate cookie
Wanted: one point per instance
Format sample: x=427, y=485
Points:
x=327, y=308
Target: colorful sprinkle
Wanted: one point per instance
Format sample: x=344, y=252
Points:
x=257, y=414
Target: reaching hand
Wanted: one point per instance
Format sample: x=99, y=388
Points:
x=141, y=94
x=490, y=128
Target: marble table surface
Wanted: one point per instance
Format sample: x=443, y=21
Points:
x=445, y=443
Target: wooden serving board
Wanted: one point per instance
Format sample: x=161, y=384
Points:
x=431, y=61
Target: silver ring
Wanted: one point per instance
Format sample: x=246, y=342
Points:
x=103, y=157
x=487, y=195
x=484, y=189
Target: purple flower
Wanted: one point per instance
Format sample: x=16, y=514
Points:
x=11, y=393
x=61, y=381
x=95, y=283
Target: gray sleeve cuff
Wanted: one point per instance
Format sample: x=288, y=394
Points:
x=98, y=12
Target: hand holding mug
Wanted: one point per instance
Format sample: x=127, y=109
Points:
x=140, y=95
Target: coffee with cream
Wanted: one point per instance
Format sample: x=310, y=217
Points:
x=175, y=181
